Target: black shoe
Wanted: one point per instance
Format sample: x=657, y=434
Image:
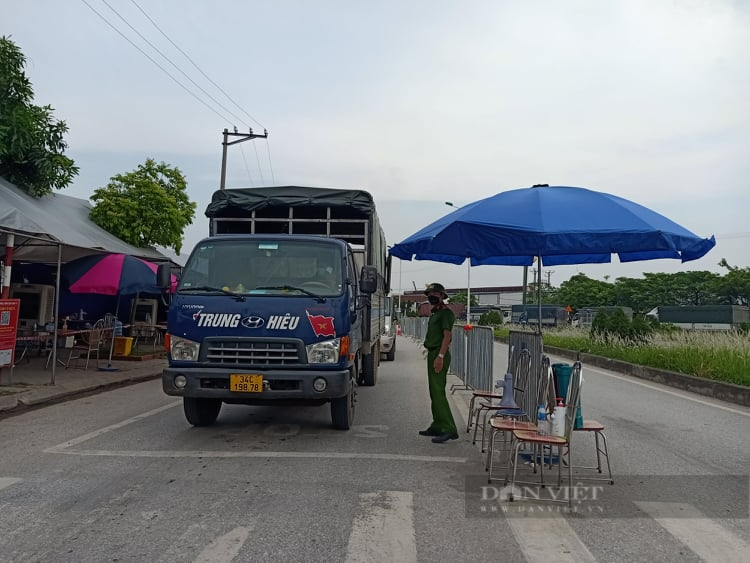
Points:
x=429, y=432
x=444, y=438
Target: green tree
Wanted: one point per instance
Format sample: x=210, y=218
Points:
x=734, y=287
x=641, y=295
x=491, y=318
x=460, y=297
x=581, y=291
x=145, y=207
x=32, y=143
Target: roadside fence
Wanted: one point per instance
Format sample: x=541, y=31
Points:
x=471, y=351
x=471, y=356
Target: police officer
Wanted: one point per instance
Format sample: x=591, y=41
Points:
x=437, y=341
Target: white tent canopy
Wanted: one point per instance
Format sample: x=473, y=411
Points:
x=56, y=229
x=40, y=225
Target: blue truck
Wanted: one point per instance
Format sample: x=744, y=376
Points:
x=283, y=304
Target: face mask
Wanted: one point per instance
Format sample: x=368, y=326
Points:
x=433, y=299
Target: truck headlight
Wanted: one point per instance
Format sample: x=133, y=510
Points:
x=183, y=349
x=326, y=352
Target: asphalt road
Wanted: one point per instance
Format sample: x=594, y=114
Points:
x=121, y=476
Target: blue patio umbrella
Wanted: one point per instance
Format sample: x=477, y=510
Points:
x=555, y=224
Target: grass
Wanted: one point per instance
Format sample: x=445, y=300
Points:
x=722, y=356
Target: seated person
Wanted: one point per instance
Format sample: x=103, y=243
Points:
x=330, y=278
x=238, y=288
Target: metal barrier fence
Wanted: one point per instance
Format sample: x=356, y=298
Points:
x=415, y=327
x=471, y=351
x=532, y=341
x=471, y=356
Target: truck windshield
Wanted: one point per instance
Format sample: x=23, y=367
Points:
x=261, y=267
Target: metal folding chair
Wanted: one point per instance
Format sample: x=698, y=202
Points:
x=520, y=384
x=520, y=438
x=91, y=343
x=505, y=424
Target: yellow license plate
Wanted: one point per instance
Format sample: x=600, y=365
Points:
x=246, y=383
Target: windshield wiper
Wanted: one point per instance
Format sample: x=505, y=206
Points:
x=237, y=296
x=319, y=298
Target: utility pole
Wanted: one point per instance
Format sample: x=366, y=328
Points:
x=242, y=137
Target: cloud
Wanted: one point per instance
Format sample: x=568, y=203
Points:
x=416, y=103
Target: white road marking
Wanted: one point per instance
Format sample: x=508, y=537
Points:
x=707, y=539
x=225, y=548
x=64, y=448
x=95, y=433
x=657, y=387
x=383, y=529
x=548, y=539
x=8, y=481
x=234, y=454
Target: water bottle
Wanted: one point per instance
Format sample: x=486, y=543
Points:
x=498, y=388
x=541, y=421
x=558, y=427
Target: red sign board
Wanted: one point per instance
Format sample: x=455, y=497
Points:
x=8, y=328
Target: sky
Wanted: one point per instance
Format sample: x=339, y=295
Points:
x=417, y=102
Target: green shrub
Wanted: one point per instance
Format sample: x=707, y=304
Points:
x=491, y=318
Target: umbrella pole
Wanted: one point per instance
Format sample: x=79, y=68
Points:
x=468, y=320
x=539, y=293
x=112, y=339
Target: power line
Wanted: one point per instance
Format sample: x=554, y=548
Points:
x=732, y=235
x=165, y=71
x=194, y=64
x=193, y=94
x=258, y=161
x=217, y=102
x=242, y=151
x=268, y=150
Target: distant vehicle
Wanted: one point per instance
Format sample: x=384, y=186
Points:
x=584, y=317
x=552, y=315
x=701, y=317
x=388, y=336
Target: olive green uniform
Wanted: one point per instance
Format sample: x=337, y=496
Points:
x=442, y=418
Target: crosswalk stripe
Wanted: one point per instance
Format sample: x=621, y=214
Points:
x=707, y=539
x=383, y=529
x=225, y=548
x=548, y=539
x=8, y=481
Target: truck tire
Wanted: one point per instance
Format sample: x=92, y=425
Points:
x=391, y=355
x=201, y=412
x=342, y=409
x=370, y=368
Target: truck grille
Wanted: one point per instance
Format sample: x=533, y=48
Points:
x=253, y=351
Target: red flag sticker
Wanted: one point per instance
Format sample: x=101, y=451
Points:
x=321, y=325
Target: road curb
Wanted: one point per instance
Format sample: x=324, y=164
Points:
x=729, y=392
x=8, y=403
x=25, y=401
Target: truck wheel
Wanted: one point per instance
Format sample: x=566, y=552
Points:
x=370, y=368
x=201, y=412
x=342, y=410
x=391, y=355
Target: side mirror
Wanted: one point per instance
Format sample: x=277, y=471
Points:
x=164, y=277
x=368, y=280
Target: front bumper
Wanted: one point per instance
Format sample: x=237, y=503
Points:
x=386, y=343
x=213, y=383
